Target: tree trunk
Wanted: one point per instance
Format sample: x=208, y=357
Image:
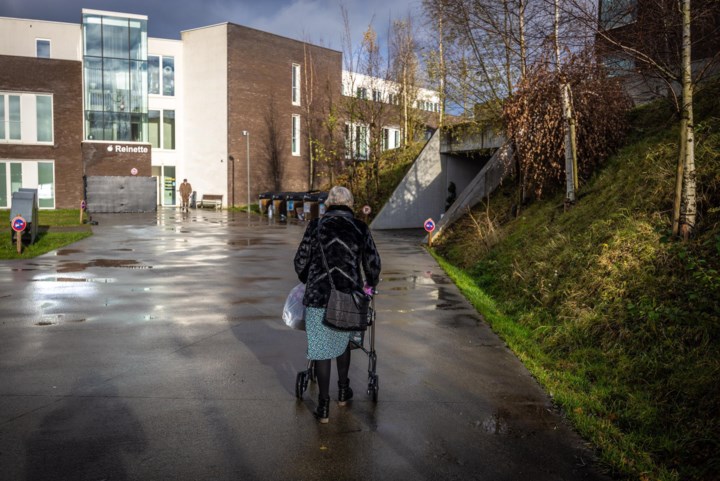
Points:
x=687, y=136
x=570, y=161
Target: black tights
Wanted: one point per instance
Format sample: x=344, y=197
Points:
x=322, y=371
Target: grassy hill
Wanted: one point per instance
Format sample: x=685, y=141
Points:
x=619, y=322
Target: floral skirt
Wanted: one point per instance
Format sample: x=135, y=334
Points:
x=323, y=342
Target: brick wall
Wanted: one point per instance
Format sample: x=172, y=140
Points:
x=63, y=79
x=116, y=159
x=260, y=73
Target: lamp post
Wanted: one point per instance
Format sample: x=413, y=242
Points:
x=246, y=134
x=231, y=159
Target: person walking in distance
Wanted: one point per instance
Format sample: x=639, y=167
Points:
x=185, y=191
x=351, y=254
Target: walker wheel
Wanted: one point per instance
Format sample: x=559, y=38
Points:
x=374, y=387
x=301, y=384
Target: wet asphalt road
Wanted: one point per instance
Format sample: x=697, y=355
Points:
x=155, y=350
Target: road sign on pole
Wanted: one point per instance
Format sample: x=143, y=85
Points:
x=18, y=224
x=429, y=227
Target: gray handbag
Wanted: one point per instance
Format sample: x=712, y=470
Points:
x=346, y=311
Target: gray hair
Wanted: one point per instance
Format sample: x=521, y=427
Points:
x=339, y=195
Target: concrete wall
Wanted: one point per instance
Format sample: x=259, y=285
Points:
x=483, y=184
x=205, y=107
x=17, y=37
x=420, y=195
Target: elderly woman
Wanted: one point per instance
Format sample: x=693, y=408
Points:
x=354, y=263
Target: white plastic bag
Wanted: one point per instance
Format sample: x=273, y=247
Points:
x=294, y=311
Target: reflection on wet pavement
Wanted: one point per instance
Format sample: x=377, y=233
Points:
x=163, y=332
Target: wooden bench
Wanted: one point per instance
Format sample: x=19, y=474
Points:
x=211, y=200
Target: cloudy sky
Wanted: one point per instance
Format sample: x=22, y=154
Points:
x=318, y=21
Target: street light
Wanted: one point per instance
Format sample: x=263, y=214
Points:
x=247, y=156
x=231, y=159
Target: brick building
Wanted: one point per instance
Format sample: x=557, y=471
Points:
x=102, y=103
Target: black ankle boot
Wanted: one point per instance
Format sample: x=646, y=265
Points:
x=322, y=413
x=345, y=393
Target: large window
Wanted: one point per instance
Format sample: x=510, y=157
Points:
x=32, y=174
x=115, y=70
x=161, y=83
x=295, y=135
x=295, y=84
x=26, y=118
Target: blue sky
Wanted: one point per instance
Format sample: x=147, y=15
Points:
x=317, y=21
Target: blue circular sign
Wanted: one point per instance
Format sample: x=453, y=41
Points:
x=18, y=224
x=429, y=225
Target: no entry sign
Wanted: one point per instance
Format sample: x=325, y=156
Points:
x=18, y=224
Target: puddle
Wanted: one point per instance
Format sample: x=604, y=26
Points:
x=495, y=424
x=56, y=319
x=65, y=252
x=123, y=263
x=17, y=269
x=98, y=280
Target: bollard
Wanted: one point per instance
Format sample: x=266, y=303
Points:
x=82, y=210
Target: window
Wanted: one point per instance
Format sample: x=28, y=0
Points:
x=356, y=141
x=26, y=118
x=168, y=135
x=46, y=185
x=391, y=138
x=361, y=93
x=3, y=186
x=42, y=48
x=153, y=69
x=617, y=66
x=617, y=13
x=154, y=128
x=295, y=84
x=295, y=135
x=14, y=117
x=44, y=118
x=168, y=76
x=377, y=96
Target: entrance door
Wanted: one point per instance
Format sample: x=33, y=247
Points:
x=169, y=185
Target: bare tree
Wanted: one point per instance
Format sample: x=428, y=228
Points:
x=274, y=143
x=658, y=39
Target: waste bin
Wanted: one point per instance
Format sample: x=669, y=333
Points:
x=279, y=204
x=310, y=206
x=294, y=202
x=322, y=197
x=264, y=200
x=25, y=204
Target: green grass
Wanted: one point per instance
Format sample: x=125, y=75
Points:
x=56, y=229
x=619, y=322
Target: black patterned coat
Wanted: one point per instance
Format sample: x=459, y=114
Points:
x=349, y=250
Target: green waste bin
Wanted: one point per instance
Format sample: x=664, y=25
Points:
x=264, y=201
x=294, y=201
x=279, y=204
x=25, y=204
